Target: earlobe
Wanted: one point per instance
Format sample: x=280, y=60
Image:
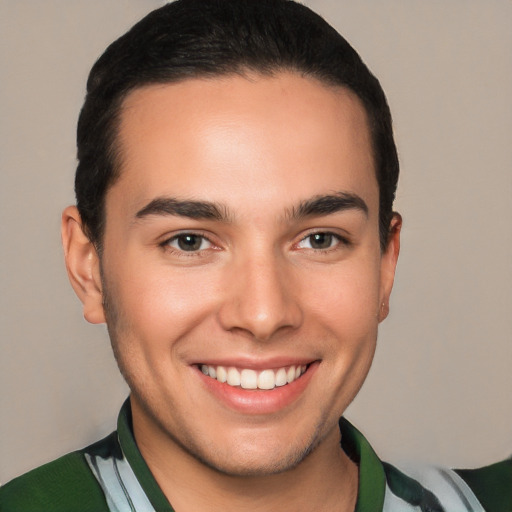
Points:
x=388, y=265
x=83, y=265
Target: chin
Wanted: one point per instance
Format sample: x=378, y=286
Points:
x=253, y=464
x=257, y=458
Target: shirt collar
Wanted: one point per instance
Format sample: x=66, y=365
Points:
x=137, y=463
x=372, y=479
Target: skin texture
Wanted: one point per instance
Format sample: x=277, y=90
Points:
x=256, y=292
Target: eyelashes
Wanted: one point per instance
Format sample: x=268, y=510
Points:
x=189, y=242
x=322, y=241
x=195, y=244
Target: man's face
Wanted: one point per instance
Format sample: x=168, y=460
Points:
x=242, y=241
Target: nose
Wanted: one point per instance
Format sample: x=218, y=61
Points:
x=261, y=298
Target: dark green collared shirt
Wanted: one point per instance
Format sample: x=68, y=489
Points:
x=111, y=475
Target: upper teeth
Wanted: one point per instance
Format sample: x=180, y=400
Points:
x=251, y=379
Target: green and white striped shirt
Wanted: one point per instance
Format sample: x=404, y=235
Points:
x=111, y=475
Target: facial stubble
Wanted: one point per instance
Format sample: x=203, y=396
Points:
x=117, y=324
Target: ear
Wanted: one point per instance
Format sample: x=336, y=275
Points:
x=388, y=265
x=83, y=265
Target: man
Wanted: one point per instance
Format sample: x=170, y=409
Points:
x=234, y=229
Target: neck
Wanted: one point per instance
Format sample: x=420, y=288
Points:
x=326, y=480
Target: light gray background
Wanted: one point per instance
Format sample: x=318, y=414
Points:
x=440, y=389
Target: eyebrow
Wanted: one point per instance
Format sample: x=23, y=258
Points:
x=206, y=210
x=328, y=204
x=200, y=210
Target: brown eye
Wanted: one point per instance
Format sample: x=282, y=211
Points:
x=319, y=241
x=189, y=242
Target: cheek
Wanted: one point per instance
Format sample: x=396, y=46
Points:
x=346, y=306
x=347, y=298
x=158, y=306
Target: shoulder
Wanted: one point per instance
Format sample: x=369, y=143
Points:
x=491, y=484
x=440, y=489
x=66, y=484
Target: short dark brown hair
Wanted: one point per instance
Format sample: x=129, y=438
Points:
x=206, y=38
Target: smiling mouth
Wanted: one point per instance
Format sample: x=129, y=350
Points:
x=251, y=379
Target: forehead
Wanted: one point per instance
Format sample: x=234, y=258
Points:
x=241, y=138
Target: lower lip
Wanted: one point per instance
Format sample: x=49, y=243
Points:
x=256, y=401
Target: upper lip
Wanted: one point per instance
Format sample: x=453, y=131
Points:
x=256, y=364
